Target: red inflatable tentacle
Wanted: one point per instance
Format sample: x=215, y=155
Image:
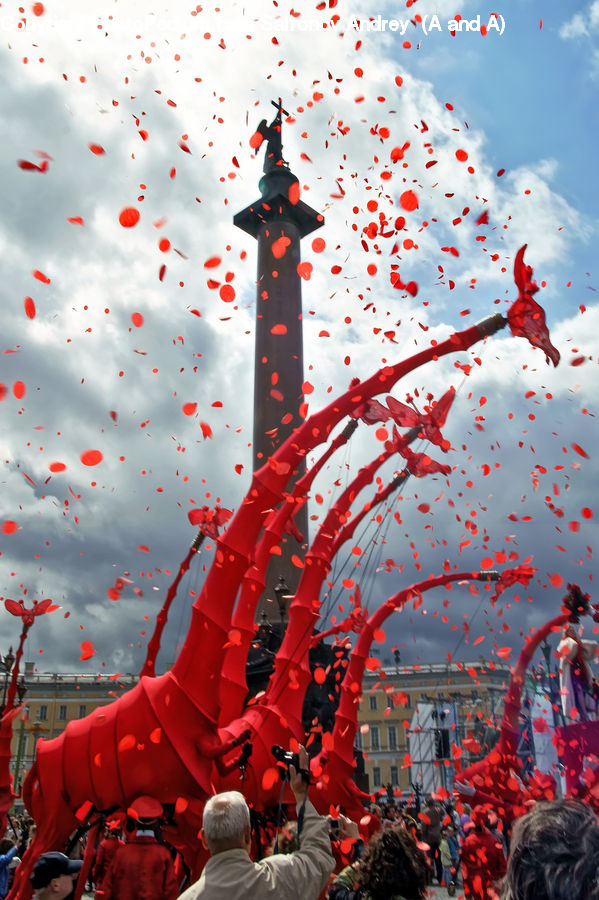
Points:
x=7, y=795
x=318, y=426
x=149, y=666
x=288, y=683
x=346, y=721
x=505, y=751
x=334, y=767
x=233, y=689
x=509, y=731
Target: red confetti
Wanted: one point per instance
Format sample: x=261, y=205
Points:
x=408, y=201
x=278, y=329
x=9, y=527
x=129, y=216
x=96, y=149
x=127, y=742
x=227, y=293
x=578, y=449
x=189, y=408
x=294, y=193
x=206, y=430
x=269, y=778
x=318, y=245
x=57, y=467
x=40, y=276
x=586, y=512
x=319, y=675
x=137, y=319
x=38, y=9
x=75, y=220
x=19, y=389
x=461, y=155
x=212, y=262
x=87, y=650
x=164, y=245
x=279, y=247
x=91, y=457
x=304, y=270
x=32, y=167
x=29, y=307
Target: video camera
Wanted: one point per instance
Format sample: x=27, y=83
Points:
x=286, y=758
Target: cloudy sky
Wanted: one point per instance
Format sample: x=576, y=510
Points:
x=109, y=106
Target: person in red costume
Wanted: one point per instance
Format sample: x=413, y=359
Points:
x=483, y=860
x=142, y=869
x=108, y=847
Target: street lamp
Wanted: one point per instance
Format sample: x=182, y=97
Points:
x=6, y=664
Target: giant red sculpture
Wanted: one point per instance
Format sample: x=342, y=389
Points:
x=173, y=736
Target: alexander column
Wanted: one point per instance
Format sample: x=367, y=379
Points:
x=278, y=220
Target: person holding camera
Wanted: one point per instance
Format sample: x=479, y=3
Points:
x=230, y=872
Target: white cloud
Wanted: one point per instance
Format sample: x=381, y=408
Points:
x=582, y=24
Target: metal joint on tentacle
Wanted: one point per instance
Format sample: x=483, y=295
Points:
x=491, y=324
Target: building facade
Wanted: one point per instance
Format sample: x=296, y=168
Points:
x=51, y=702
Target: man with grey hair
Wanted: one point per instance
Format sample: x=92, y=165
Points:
x=230, y=872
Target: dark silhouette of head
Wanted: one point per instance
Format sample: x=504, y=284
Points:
x=554, y=854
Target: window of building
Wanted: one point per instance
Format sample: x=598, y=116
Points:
x=376, y=777
x=392, y=737
x=62, y=713
x=375, y=742
x=43, y=713
x=394, y=776
x=358, y=740
x=389, y=701
x=372, y=701
x=82, y=712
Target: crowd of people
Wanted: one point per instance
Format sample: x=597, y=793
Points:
x=395, y=852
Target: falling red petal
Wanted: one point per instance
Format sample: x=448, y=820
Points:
x=408, y=201
x=578, y=449
x=87, y=650
x=129, y=216
x=91, y=457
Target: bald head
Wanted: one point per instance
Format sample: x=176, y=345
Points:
x=226, y=823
